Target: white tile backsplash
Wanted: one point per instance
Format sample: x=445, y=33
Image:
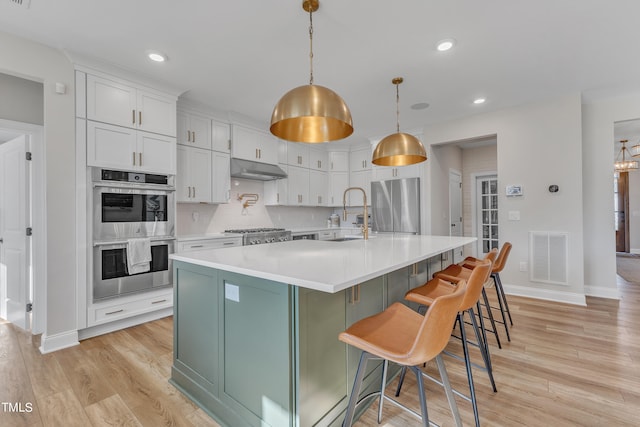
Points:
x=195, y=218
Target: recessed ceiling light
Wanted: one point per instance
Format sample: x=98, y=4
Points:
x=479, y=101
x=446, y=44
x=420, y=106
x=156, y=56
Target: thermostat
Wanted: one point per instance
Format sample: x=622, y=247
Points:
x=553, y=188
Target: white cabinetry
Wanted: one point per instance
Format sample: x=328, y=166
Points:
x=125, y=307
x=194, y=130
x=318, y=188
x=298, y=154
x=338, y=182
x=360, y=160
x=221, y=188
x=380, y=173
x=123, y=148
x=339, y=161
x=318, y=159
x=298, y=186
x=124, y=104
x=220, y=136
x=360, y=179
x=252, y=144
x=193, y=181
x=276, y=192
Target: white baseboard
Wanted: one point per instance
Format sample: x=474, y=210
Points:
x=601, y=292
x=545, y=294
x=50, y=343
x=634, y=250
x=105, y=328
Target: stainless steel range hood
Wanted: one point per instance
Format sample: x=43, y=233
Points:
x=248, y=169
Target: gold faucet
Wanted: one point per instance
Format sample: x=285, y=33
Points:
x=365, y=225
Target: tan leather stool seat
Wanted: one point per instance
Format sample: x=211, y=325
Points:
x=400, y=335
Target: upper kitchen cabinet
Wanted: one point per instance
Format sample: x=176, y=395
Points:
x=360, y=160
x=380, y=173
x=339, y=161
x=318, y=159
x=298, y=154
x=220, y=136
x=123, y=148
x=221, y=186
x=194, y=130
x=252, y=144
x=193, y=180
x=125, y=104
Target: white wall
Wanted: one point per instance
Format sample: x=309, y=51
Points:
x=36, y=62
x=21, y=100
x=598, y=118
x=443, y=158
x=538, y=144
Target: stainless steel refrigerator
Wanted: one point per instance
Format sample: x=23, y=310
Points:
x=395, y=206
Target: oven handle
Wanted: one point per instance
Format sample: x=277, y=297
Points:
x=146, y=187
x=122, y=243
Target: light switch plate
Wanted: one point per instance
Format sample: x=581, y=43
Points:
x=514, y=215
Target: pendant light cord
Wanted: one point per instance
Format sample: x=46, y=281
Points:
x=310, y=45
x=398, y=107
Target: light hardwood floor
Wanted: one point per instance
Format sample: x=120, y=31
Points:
x=565, y=366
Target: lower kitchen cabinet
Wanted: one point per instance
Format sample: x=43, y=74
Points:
x=257, y=352
x=128, y=306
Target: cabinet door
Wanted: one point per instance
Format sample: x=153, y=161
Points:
x=156, y=153
x=318, y=188
x=363, y=180
x=183, y=132
x=183, y=180
x=318, y=159
x=111, y=146
x=339, y=181
x=156, y=113
x=298, y=154
x=111, y=102
x=200, y=172
x=276, y=192
x=220, y=137
x=360, y=160
x=298, y=190
x=339, y=161
x=381, y=173
x=363, y=300
x=221, y=180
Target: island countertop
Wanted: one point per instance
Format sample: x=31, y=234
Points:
x=327, y=266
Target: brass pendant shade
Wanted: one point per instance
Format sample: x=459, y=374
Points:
x=398, y=149
x=311, y=113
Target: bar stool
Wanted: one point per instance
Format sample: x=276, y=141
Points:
x=400, y=335
x=498, y=266
x=436, y=288
x=463, y=271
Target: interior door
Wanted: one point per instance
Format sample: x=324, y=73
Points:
x=14, y=246
x=621, y=199
x=487, y=213
x=455, y=210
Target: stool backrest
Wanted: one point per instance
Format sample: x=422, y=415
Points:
x=500, y=262
x=479, y=275
x=435, y=331
x=492, y=255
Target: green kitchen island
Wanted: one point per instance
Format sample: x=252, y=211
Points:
x=256, y=327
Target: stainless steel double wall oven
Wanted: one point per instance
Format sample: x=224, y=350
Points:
x=131, y=205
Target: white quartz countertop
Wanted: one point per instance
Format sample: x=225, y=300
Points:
x=325, y=265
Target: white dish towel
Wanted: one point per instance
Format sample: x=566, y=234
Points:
x=138, y=255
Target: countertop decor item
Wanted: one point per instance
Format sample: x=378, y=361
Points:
x=399, y=149
x=311, y=113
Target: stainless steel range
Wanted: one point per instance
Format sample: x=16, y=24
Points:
x=258, y=236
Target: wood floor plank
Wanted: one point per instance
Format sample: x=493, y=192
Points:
x=63, y=409
x=111, y=411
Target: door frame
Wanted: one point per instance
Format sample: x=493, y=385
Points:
x=38, y=219
x=457, y=175
x=473, y=179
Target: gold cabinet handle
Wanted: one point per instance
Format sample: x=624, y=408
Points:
x=134, y=158
x=193, y=132
x=188, y=136
x=133, y=116
x=140, y=117
x=194, y=192
x=139, y=159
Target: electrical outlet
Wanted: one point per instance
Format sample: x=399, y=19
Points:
x=524, y=266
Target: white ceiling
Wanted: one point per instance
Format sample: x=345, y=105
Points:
x=242, y=56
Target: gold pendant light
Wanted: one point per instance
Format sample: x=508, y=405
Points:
x=398, y=149
x=624, y=165
x=311, y=113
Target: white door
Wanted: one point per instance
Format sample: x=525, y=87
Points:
x=455, y=209
x=14, y=246
x=487, y=213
